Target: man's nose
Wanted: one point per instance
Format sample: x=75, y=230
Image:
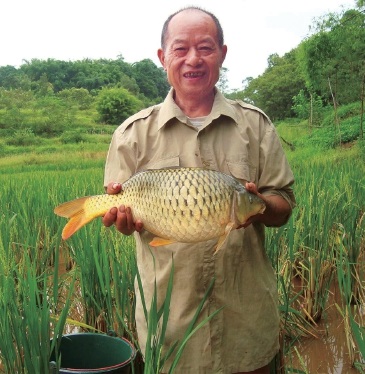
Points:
x=193, y=57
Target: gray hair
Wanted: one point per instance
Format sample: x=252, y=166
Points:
x=214, y=18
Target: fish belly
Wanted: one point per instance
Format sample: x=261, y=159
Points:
x=187, y=206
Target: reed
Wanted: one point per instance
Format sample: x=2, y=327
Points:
x=27, y=305
x=351, y=308
x=329, y=216
x=321, y=245
x=106, y=269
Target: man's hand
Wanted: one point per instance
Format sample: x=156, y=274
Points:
x=121, y=217
x=277, y=209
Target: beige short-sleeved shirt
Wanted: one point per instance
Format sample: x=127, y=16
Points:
x=237, y=139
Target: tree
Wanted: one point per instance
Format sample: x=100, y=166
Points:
x=223, y=80
x=273, y=59
x=115, y=105
x=14, y=102
x=334, y=57
x=308, y=106
x=274, y=89
x=150, y=79
x=43, y=87
x=79, y=96
x=12, y=78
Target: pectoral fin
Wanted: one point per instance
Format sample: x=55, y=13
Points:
x=157, y=242
x=223, y=238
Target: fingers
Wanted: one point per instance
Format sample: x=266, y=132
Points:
x=251, y=187
x=113, y=188
x=110, y=217
x=124, y=222
x=138, y=226
x=122, y=218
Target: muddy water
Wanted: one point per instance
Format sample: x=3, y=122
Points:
x=328, y=354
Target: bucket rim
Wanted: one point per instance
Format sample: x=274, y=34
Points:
x=111, y=367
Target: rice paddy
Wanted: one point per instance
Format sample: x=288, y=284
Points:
x=49, y=287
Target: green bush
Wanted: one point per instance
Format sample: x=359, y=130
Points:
x=343, y=112
x=350, y=129
x=77, y=96
x=73, y=136
x=23, y=137
x=54, y=116
x=115, y=105
x=303, y=106
x=328, y=137
x=49, y=128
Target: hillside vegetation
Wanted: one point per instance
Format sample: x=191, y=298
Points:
x=56, y=122
x=321, y=82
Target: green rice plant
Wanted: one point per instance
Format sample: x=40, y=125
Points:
x=106, y=272
x=103, y=260
x=31, y=309
x=328, y=220
x=327, y=203
x=106, y=277
x=302, y=363
x=354, y=241
x=281, y=244
x=26, y=307
x=353, y=319
x=361, y=148
x=312, y=257
x=303, y=252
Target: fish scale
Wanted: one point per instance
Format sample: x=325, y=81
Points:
x=176, y=204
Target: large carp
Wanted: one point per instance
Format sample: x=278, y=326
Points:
x=175, y=204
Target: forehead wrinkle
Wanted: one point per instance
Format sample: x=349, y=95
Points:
x=203, y=40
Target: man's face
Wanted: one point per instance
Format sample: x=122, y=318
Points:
x=192, y=56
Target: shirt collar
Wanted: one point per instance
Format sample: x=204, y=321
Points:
x=170, y=110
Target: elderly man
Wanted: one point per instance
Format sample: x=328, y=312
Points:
x=196, y=126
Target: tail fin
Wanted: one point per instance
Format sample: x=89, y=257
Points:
x=78, y=215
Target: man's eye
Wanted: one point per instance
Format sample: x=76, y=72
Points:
x=205, y=49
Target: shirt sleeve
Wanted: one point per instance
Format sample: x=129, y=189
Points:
x=276, y=176
x=120, y=161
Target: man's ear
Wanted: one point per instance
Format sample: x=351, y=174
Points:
x=224, y=53
x=161, y=57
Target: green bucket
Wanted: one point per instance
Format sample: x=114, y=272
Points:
x=94, y=353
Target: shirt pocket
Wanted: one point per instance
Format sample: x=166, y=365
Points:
x=162, y=163
x=243, y=171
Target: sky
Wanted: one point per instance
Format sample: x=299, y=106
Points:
x=72, y=30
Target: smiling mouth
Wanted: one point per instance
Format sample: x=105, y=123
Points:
x=193, y=75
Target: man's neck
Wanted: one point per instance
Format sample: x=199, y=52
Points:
x=194, y=106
